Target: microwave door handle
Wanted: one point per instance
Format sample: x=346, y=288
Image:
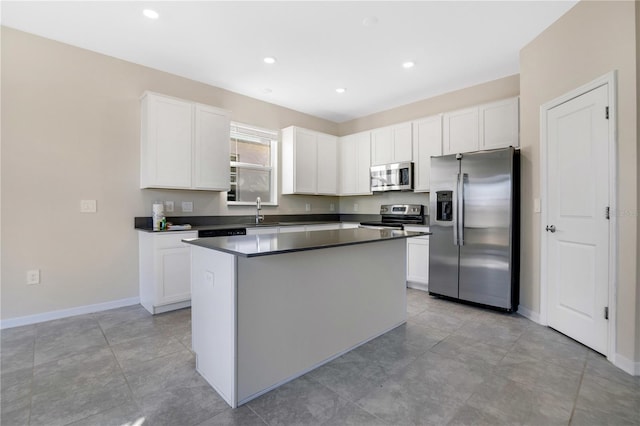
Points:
x=455, y=210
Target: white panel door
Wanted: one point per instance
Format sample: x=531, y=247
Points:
x=171, y=135
x=461, y=131
x=174, y=273
x=577, y=237
x=499, y=124
x=381, y=146
x=327, y=165
x=306, y=159
x=211, y=157
x=427, y=142
x=402, y=138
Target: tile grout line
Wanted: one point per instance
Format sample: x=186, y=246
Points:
x=575, y=400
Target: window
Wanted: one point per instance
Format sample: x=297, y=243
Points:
x=253, y=165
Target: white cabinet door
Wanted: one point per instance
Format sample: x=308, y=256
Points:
x=166, y=143
x=306, y=162
x=363, y=178
x=165, y=265
x=460, y=130
x=211, y=156
x=381, y=146
x=427, y=142
x=418, y=260
x=355, y=162
x=174, y=275
x=327, y=164
x=391, y=144
x=402, y=141
x=183, y=145
x=499, y=124
x=348, y=155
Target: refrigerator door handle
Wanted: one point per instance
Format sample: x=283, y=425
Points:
x=456, y=200
x=461, y=199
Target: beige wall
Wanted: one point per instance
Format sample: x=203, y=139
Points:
x=487, y=92
x=590, y=40
x=70, y=131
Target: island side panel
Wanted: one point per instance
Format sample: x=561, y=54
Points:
x=213, y=319
x=299, y=310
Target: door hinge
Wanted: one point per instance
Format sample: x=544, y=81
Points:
x=606, y=113
x=606, y=312
x=607, y=213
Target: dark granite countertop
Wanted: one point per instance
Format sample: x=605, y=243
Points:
x=270, y=244
x=234, y=222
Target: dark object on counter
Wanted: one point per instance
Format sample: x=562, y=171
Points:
x=206, y=233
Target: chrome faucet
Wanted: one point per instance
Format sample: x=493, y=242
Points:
x=259, y=217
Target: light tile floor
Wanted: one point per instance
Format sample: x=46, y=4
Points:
x=449, y=364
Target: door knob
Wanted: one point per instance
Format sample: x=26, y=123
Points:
x=551, y=228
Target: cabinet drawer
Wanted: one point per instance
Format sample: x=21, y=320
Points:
x=163, y=241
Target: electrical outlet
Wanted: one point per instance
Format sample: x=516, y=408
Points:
x=536, y=205
x=307, y=207
x=332, y=207
x=88, y=206
x=187, y=206
x=168, y=206
x=33, y=276
x=355, y=207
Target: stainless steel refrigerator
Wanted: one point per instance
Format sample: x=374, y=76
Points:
x=474, y=247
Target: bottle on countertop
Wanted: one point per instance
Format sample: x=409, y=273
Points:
x=158, y=215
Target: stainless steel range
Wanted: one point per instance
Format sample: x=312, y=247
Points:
x=395, y=216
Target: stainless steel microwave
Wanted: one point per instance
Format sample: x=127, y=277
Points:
x=392, y=177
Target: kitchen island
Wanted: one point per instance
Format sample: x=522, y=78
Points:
x=269, y=308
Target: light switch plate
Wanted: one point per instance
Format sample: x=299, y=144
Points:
x=88, y=206
x=187, y=206
x=332, y=207
x=355, y=207
x=536, y=205
x=33, y=276
x=307, y=207
x=168, y=206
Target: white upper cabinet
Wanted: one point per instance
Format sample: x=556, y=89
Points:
x=499, y=124
x=355, y=161
x=460, y=131
x=309, y=162
x=391, y=144
x=488, y=126
x=183, y=145
x=427, y=142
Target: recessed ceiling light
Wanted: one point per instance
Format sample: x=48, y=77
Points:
x=269, y=60
x=370, y=21
x=408, y=64
x=151, y=14
x=341, y=90
x=266, y=90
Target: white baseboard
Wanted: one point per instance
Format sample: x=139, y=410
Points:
x=64, y=313
x=626, y=365
x=528, y=313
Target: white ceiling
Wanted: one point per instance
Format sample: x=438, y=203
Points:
x=319, y=46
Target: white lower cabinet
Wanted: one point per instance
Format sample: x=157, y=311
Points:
x=418, y=260
x=165, y=271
